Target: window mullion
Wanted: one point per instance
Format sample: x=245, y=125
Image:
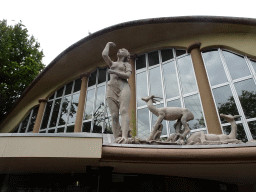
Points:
x=30, y=115
x=163, y=89
x=148, y=85
x=95, y=98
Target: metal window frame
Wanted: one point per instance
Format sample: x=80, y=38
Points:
x=163, y=84
x=235, y=96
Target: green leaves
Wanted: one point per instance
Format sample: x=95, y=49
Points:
x=20, y=63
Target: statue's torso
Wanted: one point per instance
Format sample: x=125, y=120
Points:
x=114, y=79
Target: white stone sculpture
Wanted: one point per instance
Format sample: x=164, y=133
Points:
x=200, y=138
x=118, y=92
x=182, y=115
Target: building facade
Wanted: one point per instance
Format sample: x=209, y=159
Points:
x=205, y=64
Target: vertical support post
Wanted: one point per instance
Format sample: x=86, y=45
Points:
x=81, y=102
x=211, y=115
x=132, y=83
x=105, y=179
x=40, y=114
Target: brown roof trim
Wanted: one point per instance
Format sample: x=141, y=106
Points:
x=207, y=19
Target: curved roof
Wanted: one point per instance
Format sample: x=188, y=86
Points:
x=138, y=37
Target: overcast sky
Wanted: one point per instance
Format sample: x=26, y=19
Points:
x=58, y=24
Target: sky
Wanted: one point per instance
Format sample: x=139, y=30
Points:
x=58, y=24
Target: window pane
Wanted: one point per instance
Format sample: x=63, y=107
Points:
x=175, y=103
x=46, y=114
x=70, y=129
x=193, y=104
x=155, y=82
x=24, y=124
x=214, y=67
x=64, y=110
x=102, y=76
x=240, y=132
x=225, y=101
x=51, y=131
x=247, y=96
x=236, y=65
x=60, y=92
x=52, y=96
x=60, y=130
x=33, y=119
x=73, y=109
x=77, y=85
x=167, y=54
x=141, y=88
x=140, y=62
x=253, y=64
x=170, y=80
x=98, y=126
x=153, y=58
x=180, y=52
x=143, y=123
x=252, y=126
x=108, y=125
x=187, y=76
x=89, y=104
x=68, y=88
x=99, y=108
x=87, y=126
x=55, y=113
x=154, y=119
x=92, y=79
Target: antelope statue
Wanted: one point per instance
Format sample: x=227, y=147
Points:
x=182, y=115
x=211, y=139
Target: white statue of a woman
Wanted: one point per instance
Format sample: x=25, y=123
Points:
x=118, y=91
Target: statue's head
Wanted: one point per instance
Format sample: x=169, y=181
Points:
x=123, y=53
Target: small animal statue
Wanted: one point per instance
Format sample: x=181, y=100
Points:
x=201, y=138
x=182, y=115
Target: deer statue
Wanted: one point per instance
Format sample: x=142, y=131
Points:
x=182, y=115
x=211, y=139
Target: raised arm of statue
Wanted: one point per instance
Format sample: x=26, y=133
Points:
x=105, y=53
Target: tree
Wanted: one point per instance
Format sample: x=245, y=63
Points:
x=20, y=61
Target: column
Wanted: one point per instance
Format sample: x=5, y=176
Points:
x=211, y=115
x=132, y=106
x=40, y=113
x=80, y=108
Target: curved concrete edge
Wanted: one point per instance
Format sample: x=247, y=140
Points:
x=184, y=155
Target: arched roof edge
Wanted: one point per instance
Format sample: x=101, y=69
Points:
x=161, y=20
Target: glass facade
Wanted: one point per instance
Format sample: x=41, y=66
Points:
x=60, y=111
x=27, y=125
x=232, y=81
x=168, y=74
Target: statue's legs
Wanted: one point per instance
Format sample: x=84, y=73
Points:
x=114, y=111
x=184, y=120
x=124, y=107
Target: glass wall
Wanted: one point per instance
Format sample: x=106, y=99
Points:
x=167, y=74
x=232, y=79
x=97, y=117
x=60, y=112
x=27, y=125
